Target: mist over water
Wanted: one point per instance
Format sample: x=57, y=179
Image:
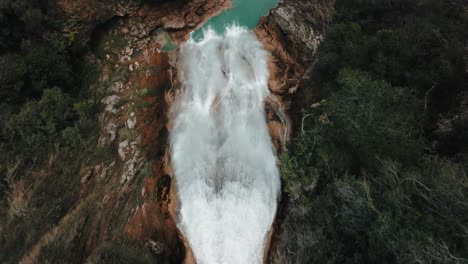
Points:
x=222, y=155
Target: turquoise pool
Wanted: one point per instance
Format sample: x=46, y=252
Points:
x=243, y=12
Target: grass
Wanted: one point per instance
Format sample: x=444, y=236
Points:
x=50, y=199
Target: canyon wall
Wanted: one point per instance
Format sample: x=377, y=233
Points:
x=292, y=33
x=125, y=192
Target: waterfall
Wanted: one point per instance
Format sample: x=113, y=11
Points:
x=223, y=159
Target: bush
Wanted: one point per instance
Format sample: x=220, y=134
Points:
x=38, y=123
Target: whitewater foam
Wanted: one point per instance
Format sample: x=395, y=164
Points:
x=222, y=155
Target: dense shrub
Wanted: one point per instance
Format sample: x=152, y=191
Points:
x=46, y=121
x=365, y=177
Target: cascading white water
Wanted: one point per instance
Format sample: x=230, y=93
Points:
x=222, y=155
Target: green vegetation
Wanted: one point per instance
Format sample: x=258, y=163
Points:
x=370, y=177
x=110, y=43
x=47, y=120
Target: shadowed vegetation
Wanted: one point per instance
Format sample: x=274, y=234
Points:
x=47, y=120
x=378, y=170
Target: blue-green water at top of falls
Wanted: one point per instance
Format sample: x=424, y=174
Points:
x=245, y=13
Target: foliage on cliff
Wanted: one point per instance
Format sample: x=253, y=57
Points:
x=378, y=170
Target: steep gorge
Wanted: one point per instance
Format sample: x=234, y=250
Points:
x=292, y=33
x=127, y=195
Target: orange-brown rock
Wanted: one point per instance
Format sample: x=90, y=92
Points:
x=179, y=17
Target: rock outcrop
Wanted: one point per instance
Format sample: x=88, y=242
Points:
x=179, y=17
x=291, y=33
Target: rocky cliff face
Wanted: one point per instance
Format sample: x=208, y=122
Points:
x=178, y=17
x=292, y=33
x=126, y=185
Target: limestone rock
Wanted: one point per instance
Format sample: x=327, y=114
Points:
x=116, y=87
x=292, y=32
x=131, y=121
x=304, y=23
x=132, y=165
x=109, y=102
x=124, y=149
